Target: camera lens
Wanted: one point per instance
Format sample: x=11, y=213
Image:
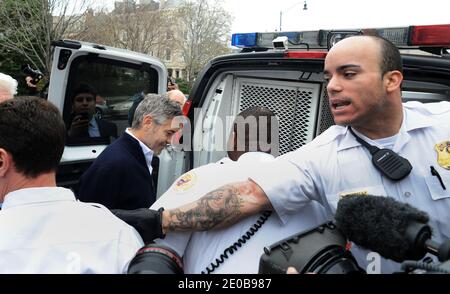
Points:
x=156, y=259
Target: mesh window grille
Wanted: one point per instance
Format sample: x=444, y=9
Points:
x=325, y=117
x=293, y=105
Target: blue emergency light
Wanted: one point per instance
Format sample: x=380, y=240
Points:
x=244, y=40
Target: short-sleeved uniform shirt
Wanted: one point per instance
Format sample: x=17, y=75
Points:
x=200, y=249
x=334, y=164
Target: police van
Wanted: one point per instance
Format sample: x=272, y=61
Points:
x=281, y=70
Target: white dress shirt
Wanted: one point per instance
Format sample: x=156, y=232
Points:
x=93, y=129
x=148, y=153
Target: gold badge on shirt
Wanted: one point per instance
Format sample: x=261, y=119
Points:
x=185, y=182
x=443, y=151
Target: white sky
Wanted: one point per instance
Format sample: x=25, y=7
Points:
x=264, y=15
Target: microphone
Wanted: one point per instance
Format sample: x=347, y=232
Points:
x=395, y=230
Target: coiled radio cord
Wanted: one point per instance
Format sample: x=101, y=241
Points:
x=236, y=245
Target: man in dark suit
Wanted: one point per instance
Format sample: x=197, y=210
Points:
x=121, y=176
x=83, y=123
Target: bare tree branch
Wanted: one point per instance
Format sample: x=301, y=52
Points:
x=206, y=26
x=29, y=26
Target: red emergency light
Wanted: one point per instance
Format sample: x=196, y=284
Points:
x=432, y=35
x=305, y=54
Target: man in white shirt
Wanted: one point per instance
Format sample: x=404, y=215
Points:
x=44, y=229
x=364, y=75
x=238, y=248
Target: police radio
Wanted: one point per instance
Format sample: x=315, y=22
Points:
x=389, y=163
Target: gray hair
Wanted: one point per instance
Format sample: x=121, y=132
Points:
x=8, y=83
x=159, y=106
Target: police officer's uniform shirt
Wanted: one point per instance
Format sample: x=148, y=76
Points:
x=199, y=249
x=45, y=230
x=335, y=164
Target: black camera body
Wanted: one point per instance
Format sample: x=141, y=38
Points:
x=35, y=74
x=81, y=115
x=321, y=250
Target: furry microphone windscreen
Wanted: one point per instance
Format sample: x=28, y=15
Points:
x=378, y=223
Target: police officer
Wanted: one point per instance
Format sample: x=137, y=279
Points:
x=44, y=229
x=202, y=250
x=364, y=76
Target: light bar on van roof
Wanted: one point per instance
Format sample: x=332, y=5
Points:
x=264, y=40
x=431, y=35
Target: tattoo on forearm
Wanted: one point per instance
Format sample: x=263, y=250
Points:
x=216, y=209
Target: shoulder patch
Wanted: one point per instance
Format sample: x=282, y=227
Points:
x=185, y=182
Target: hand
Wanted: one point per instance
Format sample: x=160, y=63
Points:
x=146, y=221
x=172, y=86
x=79, y=126
x=29, y=80
x=291, y=271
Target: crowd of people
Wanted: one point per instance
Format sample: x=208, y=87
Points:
x=222, y=200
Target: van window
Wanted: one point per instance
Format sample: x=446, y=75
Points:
x=99, y=95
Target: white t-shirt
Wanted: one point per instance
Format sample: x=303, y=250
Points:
x=200, y=249
x=47, y=231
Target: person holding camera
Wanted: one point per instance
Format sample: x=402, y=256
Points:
x=83, y=123
x=8, y=87
x=44, y=228
x=364, y=77
x=36, y=81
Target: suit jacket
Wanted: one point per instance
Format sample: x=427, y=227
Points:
x=106, y=128
x=119, y=178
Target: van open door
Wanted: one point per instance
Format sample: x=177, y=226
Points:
x=117, y=76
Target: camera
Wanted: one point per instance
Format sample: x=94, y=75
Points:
x=156, y=259
x=35, y=74
x=367, y=222
x=81, y=116
x=281, y=42
x=322, y=250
